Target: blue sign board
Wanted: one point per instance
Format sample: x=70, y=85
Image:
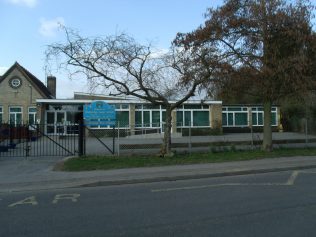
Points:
x=99, y=114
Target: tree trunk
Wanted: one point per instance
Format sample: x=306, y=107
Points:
x=166, y=146
x=267, y=130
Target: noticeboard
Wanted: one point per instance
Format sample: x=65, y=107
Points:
x=99, y=114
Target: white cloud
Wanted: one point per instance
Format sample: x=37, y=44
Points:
x=28, y=3
x=49, y=28
x=3, y=70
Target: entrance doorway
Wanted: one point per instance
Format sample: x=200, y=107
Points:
x=63, y=120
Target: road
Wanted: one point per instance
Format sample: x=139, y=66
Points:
x=272, y=204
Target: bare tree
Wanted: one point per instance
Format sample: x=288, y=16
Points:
x=262, y=42
x=123, y=66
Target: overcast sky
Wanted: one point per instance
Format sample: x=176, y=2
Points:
x=27, y=26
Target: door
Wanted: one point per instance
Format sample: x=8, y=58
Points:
x=55, y=122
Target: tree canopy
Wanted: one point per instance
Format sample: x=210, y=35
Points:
x=123, y=66
x=265, y=45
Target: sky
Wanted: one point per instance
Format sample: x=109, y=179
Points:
x=28, y=26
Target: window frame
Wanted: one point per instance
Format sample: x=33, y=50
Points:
x=143, y=109
x=15, y=123
x=187, y=111
x=230, y=115
x=34, y=119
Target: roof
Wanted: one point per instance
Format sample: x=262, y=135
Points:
x=30, y=76
x=136, y=101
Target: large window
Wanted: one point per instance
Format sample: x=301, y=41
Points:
x=122, y=115
x=32, y=115
x=149, y=116
x=15, y=115
x=258, y=119
x=193, y=115
x=235, y=116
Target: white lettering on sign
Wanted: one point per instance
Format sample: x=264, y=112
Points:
x=27, y=201
x=73, y=197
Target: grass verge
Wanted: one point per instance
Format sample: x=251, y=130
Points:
x=110, y=162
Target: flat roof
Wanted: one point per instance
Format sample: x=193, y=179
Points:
x=80, y=101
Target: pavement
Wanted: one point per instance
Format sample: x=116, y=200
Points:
x=20, y=174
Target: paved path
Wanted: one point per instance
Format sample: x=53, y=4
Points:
x=37, y=174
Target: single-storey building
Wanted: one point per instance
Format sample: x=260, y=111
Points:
x=25, y=99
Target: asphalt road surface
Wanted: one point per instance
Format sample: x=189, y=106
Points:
x=274, y=204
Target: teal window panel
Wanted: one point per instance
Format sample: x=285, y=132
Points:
x=234, y=109
x=260, y=119
x=15, y=110
x=197, y=106
x=224, y=119
x=254, y=119
x=230, y=119
x=155, y=118
x=273, y=119
x=138, y=118
x=163, y=116
x=124, y=106
x=32, y=118
x=241, y=119
x=146, y=118
x=32, y=110
x=150, y=106
x=180, y=118
x=122, y=119
x=201, y=118
x=187, y=118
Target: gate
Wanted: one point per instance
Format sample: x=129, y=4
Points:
x=99, y=141
x=36, y=140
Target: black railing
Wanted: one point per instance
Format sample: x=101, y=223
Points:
x=33, y=140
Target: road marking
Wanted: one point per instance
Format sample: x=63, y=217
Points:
x=216, y=185
x=29, y=200
x=73, y=197
x=290, y=182
x=292, y=178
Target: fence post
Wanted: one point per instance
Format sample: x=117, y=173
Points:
x=114, y=139
x=306, y=131
x=27, y=135
x=252, y=139
x=80, y=139
x=190, y=142
x=118, y=138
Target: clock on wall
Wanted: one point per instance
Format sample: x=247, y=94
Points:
x=15, y=82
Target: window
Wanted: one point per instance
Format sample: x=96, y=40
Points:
x=32, y=115
x=200, y=118
x=235, y=116
x=155, y=118
x=122, y=115
x=149, y=116
x=258, y=116
x=1, y=114
x=193, y=117
x=15, y=115
x=122, y=119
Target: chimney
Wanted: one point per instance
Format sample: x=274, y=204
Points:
x=51, y=85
